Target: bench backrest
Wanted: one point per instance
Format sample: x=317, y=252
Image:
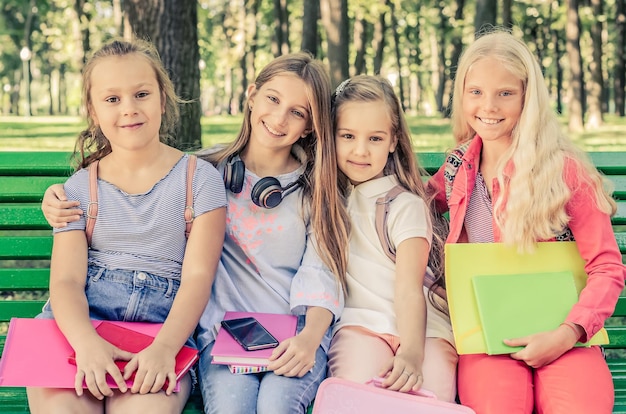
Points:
x=26, y=238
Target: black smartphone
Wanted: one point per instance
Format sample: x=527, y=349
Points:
x=250, y=334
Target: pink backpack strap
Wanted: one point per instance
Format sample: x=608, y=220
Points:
x=382, y=212
x=92, y=207
x=189, y=213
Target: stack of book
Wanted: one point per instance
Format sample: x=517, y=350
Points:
x=227, y=351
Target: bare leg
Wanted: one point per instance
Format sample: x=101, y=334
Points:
x=62, y=401
x=151, y=403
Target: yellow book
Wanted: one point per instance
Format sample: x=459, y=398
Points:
x=466, y=260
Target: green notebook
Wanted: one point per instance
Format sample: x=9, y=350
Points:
x=513, y=306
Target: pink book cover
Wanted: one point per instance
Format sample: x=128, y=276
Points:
x=339, y=396
x=36, y=353
x=227, y=351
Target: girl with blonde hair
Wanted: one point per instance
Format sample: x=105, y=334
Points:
x=519, y=180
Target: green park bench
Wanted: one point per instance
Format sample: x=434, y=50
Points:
x=26, y=242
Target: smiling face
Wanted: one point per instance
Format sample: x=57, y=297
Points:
x=364, y=139
x=126, y=101
x=280, y=112
x=493, y=99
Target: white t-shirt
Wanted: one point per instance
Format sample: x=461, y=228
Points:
x=371, y=274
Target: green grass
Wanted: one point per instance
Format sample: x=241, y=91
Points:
x=429, y=133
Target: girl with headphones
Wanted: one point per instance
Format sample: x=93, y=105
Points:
x=286, y=237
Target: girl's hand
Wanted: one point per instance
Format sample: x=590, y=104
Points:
x=56, y=209
x=154, y=365
x=402, y=374
x=294, y=357
x=93, y=362
x=542, y=348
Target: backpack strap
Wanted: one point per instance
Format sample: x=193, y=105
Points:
x=382, y=212
x=92, y=207
x=190, y=214
x=452, y=165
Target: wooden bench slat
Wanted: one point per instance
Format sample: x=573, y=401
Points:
x=608, y=162
x=620, y=308
x=13, y=400
x=24, y=279
x=33, y=163
x=14, y=216
x=25, y=189
x=617, y=336
x=36, y=247
x=619, y=181
x=620, y=215
x=20, y=309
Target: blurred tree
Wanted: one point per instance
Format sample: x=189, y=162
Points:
x=249, y=48
x=596, y=78
x=575, y=91
x=396, y=42
x=380, y=28
x=620, y=59
x=507, y=16
x=334, y=15
x=84, y=12
x=172, y=25
x=281, y=46
x=310, y=31
x=486, y=14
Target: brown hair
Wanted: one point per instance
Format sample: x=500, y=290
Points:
x=329, y=219
x=91, y=144
x=402, y=162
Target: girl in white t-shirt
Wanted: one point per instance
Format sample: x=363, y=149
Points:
x=392, y=325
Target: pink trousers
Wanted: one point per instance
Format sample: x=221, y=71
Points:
x=358, y=354
x=579, y=382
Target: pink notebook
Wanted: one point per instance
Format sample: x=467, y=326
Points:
x=36, y=354
x=338, y=396
x=227, y=351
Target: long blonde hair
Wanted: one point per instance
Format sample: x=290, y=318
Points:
x=329, y=218
x=540, y=152
x=91, y=144
x=402, y=162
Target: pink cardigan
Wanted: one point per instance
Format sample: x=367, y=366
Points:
x=591, y=229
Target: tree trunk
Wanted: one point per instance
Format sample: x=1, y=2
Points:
x=572, y=33
x=28, y=29
x=441, y=59
x=247, y=62
x=507, y=17
x=361, y=41
x=281, y=28
x=83, y=22
x=486, y=12
x=118, y=19
x=457, y=48
x=596, y=84
x=396, y=41
x=172, y=25
x=143, y=17
x=335, y=18
x=379, y=40
x=63, y=90
x=620, y=60
x=559, y=70
x=310, y=32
